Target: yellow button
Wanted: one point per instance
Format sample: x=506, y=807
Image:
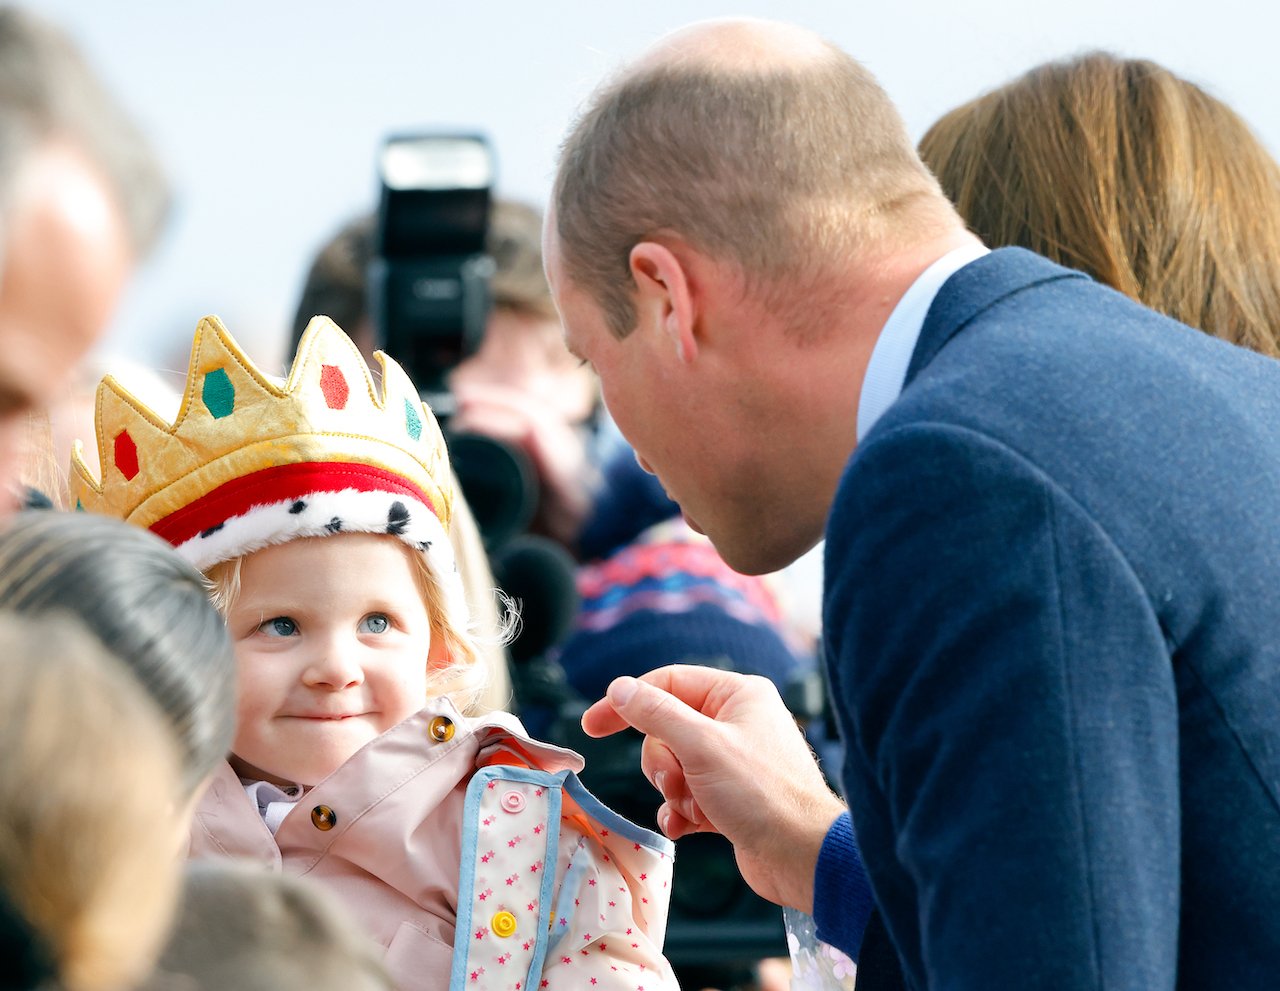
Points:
x=503, y=924
x=323, y=817
x=441, y=729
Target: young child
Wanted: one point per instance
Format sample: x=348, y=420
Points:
x=320, y=508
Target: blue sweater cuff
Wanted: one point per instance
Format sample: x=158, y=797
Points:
x=842, y=900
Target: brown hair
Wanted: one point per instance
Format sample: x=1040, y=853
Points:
x=88, y=846
x=515, y=241
x=336, y=283
x=1120, y=169
x=779, y=171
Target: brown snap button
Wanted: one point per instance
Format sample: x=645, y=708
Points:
x=323, y=817
x=441, y=729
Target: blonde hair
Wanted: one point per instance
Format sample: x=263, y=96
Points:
x=470, y=651
x=493, y=615
x=88, y=845
x=39, y=468
x=1121, y=169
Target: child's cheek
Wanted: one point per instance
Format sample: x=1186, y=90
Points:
x=251, y=691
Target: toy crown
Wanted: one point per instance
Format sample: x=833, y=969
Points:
x=243, y=444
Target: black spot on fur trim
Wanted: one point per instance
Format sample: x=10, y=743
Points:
x=297, y=507
x=334, y=525
x=397, y=518
x=211, y=531
x=424, y=546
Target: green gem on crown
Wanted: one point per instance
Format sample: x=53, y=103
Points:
x=412, y=420
x=219, y=394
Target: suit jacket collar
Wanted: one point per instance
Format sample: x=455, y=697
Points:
x=976, y=288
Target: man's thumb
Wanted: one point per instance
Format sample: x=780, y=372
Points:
x=621, y=691
x=655, y=712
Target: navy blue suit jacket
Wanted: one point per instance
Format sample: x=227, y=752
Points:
x=1053, y=620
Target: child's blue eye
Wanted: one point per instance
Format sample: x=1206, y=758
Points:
x=279, y=626
x=375, y=623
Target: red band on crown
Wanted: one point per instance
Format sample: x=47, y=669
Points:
x=278, y=484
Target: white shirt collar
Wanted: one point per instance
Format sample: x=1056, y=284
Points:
x=272, y=802
x=887, y=369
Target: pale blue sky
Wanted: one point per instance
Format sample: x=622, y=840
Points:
x=268, y=113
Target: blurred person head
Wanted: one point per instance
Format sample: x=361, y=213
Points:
x=337, y=286
x=1121, y=169
x=88, y=864
x=520, y=387
x=82, y=198
x=239, y=927
x=145, y=605
x=729, y=195
x=523, y=347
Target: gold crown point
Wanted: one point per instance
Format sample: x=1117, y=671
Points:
x=234, y=420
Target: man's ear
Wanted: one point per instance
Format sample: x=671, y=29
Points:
x=664, y=295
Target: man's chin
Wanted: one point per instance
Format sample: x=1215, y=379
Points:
x=749, y=554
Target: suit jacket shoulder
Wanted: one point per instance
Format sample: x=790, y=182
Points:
x=1052, y=581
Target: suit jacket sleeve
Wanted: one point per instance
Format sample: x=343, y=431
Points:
x=1007, y=697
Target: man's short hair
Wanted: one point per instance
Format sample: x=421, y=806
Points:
x=780, y=171
x=49, y=93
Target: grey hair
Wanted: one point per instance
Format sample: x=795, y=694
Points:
x=146, y=605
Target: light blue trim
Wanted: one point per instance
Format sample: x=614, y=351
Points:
x=466, y=883
x=476, y=789
x=555, y=784
x=564, y=905
x=604, y=815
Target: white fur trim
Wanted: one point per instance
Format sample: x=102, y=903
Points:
x=355, y=512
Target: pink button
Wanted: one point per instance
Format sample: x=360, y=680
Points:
x=513, y=801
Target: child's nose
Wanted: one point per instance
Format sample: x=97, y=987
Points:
x=333, y=665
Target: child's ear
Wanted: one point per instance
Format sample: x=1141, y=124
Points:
x=438, y=654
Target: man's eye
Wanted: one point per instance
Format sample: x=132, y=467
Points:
x=279, y=626
x=375, y=623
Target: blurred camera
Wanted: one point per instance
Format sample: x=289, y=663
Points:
x=429, y=285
